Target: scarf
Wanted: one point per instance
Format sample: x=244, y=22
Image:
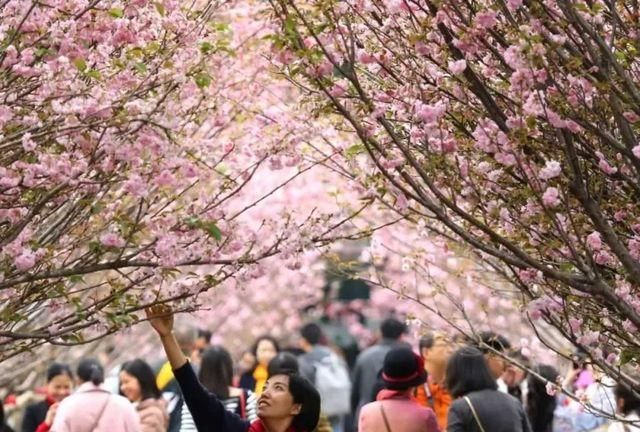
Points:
x=393, y=394
x=260, y=374
x=258, y=426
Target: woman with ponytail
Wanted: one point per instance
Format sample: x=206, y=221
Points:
x=93, y=408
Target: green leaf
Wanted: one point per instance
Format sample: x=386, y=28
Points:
x=345, y=69
x=116, y=12
x=206, y=48
x=95, y=247
x=76, y=279
x=212, y=229
x=290, y=26
x=221, y=27
x=97, y=208
x=94, y=73
x=152, y=47
x=41, y=52
x=136, y=52
x=209, y=226
x=80, y=64
x=354, y=150
x=203, y=80
x=160, y=8
x=141, y=67
x=628, y=355
x=193, y=222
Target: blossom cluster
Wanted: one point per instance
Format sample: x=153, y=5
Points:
x=512, y=127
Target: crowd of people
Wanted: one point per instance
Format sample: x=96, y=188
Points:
x=442, y=384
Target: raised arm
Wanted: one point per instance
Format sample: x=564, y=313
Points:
x=207, y=411
x=161, y=319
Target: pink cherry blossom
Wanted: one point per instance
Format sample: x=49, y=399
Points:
x=634, y=247
x=337, y=91
x=551, y=170
x=551, y=197
x=486, y=19
x=575, y=324
x=430, y=113
x=606, y=167
x=594, y=241
x=458, y=66
x=365, y=58
x=603, y=258
x=112, y=240
x=629, y=327
x=514, y=4
x=631, y=116
x=25, y=260
x=589, y=338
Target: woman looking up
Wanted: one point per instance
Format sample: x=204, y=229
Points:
x=288, y=403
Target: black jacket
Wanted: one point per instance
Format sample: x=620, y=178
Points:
x=209, y=414
x=498, y=412
x=34, y=415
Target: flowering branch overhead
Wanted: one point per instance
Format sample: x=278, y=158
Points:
x=510, y=127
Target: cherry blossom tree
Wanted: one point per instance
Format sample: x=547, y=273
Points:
x=144, y=151
x=510, y=127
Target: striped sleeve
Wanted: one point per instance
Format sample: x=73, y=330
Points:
x=186, y=421
x=252, y=406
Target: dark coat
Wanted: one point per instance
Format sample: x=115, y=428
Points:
x=497, y=411
x=209, y=414
x=34, y=415
x=247, y=381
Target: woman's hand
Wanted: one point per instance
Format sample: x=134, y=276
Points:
x=161, y=319
x=51, y=414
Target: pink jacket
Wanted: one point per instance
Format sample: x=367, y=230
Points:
x=93, y=409
x=153, y=415
x=403, y=413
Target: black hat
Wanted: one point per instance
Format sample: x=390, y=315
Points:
x=403, y=369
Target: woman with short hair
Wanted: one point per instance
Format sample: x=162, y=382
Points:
x=479, y=406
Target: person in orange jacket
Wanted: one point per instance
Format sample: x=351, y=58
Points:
x=435, y=349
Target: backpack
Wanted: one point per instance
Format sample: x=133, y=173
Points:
x=334, y=385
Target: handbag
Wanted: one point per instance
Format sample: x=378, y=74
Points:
x=97, y=421
x=475, y=414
